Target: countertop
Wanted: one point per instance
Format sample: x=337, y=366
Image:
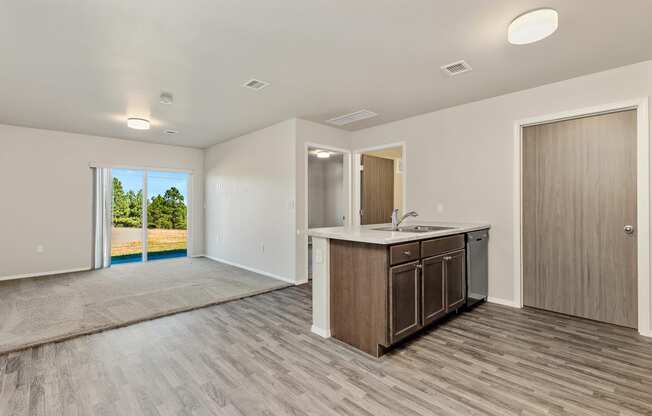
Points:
x=367, y=233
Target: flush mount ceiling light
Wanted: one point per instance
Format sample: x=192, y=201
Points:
x=322, y=154
x=533, y=26
x=138, y=123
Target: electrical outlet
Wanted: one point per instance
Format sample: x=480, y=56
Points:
x=262, y=247
x=40, y=249
x=440, y=207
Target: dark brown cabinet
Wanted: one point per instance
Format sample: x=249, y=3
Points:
x=383, y=294
x=422, y=292
x=433, y=285
x=454, y=266
x=404, y=300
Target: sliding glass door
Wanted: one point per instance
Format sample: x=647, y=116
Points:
x=127, y=230
x=152, y=228
x=167, y=212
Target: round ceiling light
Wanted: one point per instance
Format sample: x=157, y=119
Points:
x=323, y=155
x=138, y=123
x=533, y=26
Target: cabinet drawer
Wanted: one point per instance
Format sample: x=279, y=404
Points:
x=442, y=245
x=403, y=253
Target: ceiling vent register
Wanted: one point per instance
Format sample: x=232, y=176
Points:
x=352, y=118
x=456, y=68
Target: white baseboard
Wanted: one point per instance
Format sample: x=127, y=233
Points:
x=324, y=333
x=503, y=302
x=42, y=274
x=251, y=269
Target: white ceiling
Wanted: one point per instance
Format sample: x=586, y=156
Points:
x=84, y=66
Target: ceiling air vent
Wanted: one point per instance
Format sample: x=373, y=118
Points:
x=255, y=84
x=352, y=118
x=456, y=68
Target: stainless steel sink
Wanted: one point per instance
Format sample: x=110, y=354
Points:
x=415, y=228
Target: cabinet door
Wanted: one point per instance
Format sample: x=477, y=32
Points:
x=455, y=270
x=433, y=289
x=404, y=300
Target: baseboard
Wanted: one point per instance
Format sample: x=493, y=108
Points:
x=43, y=274
x=646, y=334
x=251, y=269
x=195, y=256
x=324, y=333
x=503, y=302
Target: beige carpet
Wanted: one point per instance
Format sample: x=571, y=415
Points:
x=44, y=309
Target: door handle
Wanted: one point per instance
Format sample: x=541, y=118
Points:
x=448, y=258
x=629, y=229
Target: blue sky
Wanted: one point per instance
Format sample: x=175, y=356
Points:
x=157, y=182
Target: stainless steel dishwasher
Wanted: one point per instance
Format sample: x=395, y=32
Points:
x=477, y=267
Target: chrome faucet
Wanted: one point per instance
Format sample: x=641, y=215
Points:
x=396, y=221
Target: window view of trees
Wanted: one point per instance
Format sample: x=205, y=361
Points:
x=168, y=211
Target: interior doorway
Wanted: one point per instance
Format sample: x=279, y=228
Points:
x=380, y=184
x=149, y=215
x=327, y=191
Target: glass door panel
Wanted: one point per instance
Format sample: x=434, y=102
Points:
x=167, y=213
x=127, y=230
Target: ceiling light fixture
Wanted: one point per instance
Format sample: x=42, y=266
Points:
x=323, y=155
x=533, y=26
x=138, y=123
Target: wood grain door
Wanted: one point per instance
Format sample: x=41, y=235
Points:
x=404, y=300
x=455, y=270
x=579, y=192
x=376, y=190
x=433, y=289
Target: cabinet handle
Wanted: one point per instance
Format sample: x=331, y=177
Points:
x=448, y=258
x=407, y=253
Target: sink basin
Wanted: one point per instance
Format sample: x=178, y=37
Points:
x=415, y=228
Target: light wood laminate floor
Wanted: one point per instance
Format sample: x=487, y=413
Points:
x=256, y=356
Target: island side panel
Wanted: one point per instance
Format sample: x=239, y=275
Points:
x=358, y=303
x=321, y=287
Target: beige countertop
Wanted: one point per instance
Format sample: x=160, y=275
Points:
x=369, y=233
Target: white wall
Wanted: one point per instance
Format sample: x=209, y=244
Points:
x=47, y=191
x=309, y=132
x=250, y=199
x=463, y=157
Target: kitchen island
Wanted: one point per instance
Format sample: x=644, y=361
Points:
x=373, y=287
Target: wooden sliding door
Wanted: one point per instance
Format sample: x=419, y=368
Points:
x=579, y=217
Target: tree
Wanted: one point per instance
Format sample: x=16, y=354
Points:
x=120, y=203
x=127, y=207
x=167, y=211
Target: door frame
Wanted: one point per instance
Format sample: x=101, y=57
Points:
x=355, y=177
x=642, y=197
x=347, y=192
